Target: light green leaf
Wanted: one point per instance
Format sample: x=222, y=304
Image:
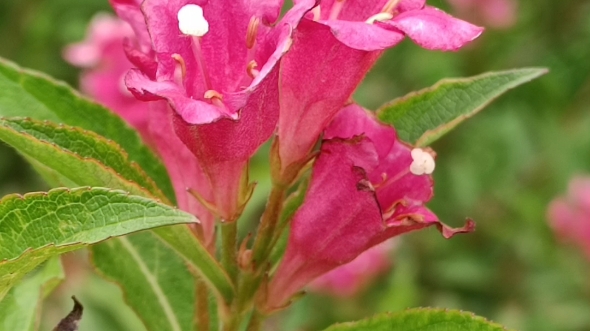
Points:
x=32, y=94
x=37, y=226
x=78, y=155
x=67, y=156
x=423, y=116
x=421, y=319
x=155, y=280
x=195, y=254
x=19, y=311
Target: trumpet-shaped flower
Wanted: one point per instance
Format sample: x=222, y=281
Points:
x=217, y=67
x=362, y=192
x=334, y=47
x=103, y=57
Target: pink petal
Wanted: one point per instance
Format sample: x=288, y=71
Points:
x=434, y=29
x=363, y=36
x=183, y=168
x=318, y=75
x=192, y=111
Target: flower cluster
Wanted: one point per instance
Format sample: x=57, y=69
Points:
x=216, y=79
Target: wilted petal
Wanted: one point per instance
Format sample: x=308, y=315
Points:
x=336, y=222
x=361, y=193
x=434, y=29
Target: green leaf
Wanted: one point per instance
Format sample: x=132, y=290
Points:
x=37, y=226
x=68, y=156
x=196, y=255
x=78, y=155
x=19, y=311
x=421, y=319
x=423, y=116
x=32, y=94
x=155, y=280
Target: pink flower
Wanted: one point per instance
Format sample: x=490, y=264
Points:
x=220, y=78
x=101, y=55
x=334, y=47
x=570, y=215
x=366, y=187
x=499, y=14
x=351, y=278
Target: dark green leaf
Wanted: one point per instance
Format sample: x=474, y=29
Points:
x=32, y=94
x=423, y=116
x=78, y=155
x=155, y=280
x=422, y=319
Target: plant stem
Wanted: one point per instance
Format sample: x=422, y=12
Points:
x=255, y=322
x=268, y=224
x=229, y=233
x=201, y=321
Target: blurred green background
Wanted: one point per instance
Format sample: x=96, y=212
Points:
x=501, y=168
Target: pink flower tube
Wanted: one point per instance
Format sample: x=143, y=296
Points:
x=570, y=215
x=366, y=187
x=334, y=46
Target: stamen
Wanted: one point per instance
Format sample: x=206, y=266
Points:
x=252, y=32
x=251, y=69
x=212, y=94
x=191, y=21
x=317, y=13
x=423, y=162
x=379, y=18
x=179, y=70
x=390, y=6
x=336, y=9
x=216, y=99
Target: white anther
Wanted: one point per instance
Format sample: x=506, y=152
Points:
x=379, y=18
x=191, y=21
x=422, y=162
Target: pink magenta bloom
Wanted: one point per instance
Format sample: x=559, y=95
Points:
x=334, y=47
x=499, y=14
x=222, y=86
x=350, y=279
x=362, y=192
x=570, y=215
x=101, y=55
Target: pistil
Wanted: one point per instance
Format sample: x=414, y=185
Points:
x=192, y=23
